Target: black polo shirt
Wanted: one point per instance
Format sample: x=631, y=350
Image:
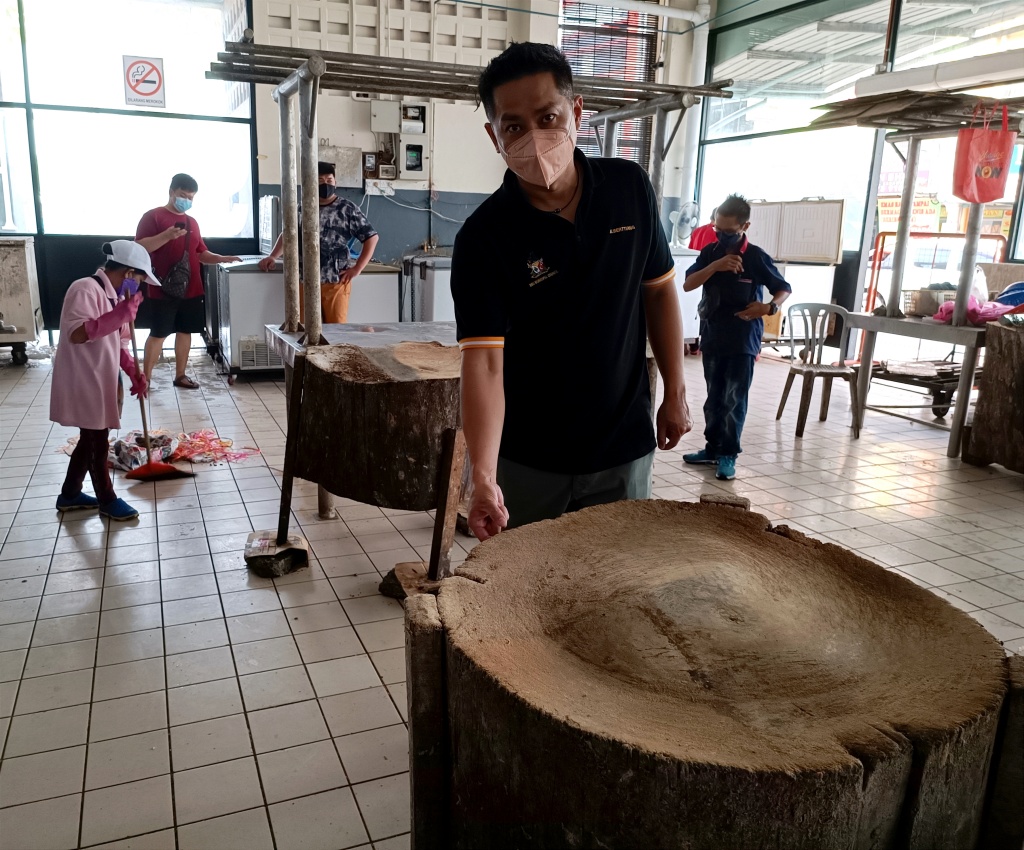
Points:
x=564, y=300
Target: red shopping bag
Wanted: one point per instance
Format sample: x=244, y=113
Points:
x=982, y=163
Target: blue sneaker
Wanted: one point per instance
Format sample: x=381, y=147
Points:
x=726, y=468
x=703, y=456
x=118, y=510
x=80, y=502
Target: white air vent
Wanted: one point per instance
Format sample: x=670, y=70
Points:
x=254, y=354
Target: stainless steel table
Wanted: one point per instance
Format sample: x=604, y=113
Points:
x=287, y=345
x=971, y=338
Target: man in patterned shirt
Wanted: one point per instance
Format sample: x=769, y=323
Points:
x=340, y=222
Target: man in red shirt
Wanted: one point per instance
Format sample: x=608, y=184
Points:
x=704, y=235
x=167, y=232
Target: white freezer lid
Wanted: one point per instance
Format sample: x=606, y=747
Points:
x=250, y=263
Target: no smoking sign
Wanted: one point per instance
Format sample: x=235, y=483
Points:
x=144, y=81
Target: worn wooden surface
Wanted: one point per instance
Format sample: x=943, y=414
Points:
x=997, y=433
x=600, y=696
x=374, y=434
x=1004, y=818
x=428, y=722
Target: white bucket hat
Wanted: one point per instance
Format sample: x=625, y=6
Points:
x=133, y=255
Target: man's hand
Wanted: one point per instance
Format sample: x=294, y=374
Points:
x=754, y=310
x=348, y=275
x=673, y=421
x=487, y=512
x=173, y=232
x=232, y=260
x=729, y=263
x=267, y=263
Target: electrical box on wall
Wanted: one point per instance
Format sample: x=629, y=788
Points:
x=414, y=143
x=385, y=116
x=413, y=159
x=414, y=119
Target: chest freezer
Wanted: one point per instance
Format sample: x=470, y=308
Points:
x=20, y=315
x=247, y=299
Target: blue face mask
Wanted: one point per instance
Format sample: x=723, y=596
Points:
x=729, y=239
x=182, y=205
x=129, y=286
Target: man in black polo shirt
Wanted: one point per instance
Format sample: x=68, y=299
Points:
x=558, y=279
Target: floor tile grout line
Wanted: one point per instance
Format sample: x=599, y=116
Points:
x=241, y=696
x=28, y=650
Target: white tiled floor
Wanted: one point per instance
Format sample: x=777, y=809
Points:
x=152, y=690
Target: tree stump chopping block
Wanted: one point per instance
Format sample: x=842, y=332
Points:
x=657, y=674
x=373, y=420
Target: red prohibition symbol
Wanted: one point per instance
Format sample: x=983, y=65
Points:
x=144, y=78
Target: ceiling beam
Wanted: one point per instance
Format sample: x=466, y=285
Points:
x=879, y=29
x=800, y=56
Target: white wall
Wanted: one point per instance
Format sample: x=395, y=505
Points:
x=462, y=159
x=677, y=53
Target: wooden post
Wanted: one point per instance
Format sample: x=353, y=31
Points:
x=412, y=578
x=453, y=459
x=291, y=447
x=1004, y=817
x=429, y=776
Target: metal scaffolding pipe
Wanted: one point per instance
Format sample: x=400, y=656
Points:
x=611, y=130
x=312, y=68
x=899, y=253
x=289, y=205
x=309, y=147
x=972, y=235
x=254, y=52
x=657, y=169
x=646, y=107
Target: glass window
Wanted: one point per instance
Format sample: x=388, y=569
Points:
x=794, y=166
x=12, y=72
x=932, y=32
x=17, y=207
x=785, y=65
x=99, y=173
x=936, y=208
x=603, y=42
x=75, y=53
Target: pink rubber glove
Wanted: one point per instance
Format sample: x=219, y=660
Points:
x=111, y=322
x=140, y=387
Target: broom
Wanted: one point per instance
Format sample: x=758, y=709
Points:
x=152, y=470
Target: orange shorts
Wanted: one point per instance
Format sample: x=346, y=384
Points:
x=333, y=302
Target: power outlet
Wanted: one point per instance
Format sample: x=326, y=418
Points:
x=380, y=187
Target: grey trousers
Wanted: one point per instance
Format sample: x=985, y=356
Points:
x=532, y=494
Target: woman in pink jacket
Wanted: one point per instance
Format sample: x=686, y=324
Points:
x=94, y=342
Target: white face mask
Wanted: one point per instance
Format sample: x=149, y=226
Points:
x=540, y=156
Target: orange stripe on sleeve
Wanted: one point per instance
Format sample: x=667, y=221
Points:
x=482, y=342
x=658, y=281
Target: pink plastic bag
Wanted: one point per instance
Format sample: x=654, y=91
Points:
x=978, y=312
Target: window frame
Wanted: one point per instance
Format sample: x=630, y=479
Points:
x=31, y=108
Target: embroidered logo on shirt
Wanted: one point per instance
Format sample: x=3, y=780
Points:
x=539, y=270
x=622, y=229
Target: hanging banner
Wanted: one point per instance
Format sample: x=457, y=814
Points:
x=144, y=82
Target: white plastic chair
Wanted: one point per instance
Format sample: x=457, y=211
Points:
x=816, y=319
